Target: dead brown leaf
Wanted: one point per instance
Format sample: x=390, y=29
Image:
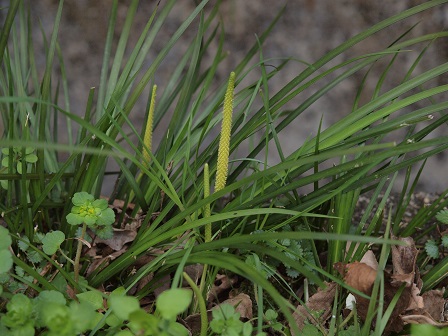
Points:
x=119, y=239
x=423, y=319
x=411, y=307
x=369, y=259
x=222, y=283
x=360, y=276
x=404, y=257
x=242, y=304
x=322, y=302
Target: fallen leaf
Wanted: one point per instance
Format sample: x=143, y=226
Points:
x=404, y=257
x=369, y=259
x=416, y=301
x=119, y=239
x=433, y=306
x=360, y=276
x=222, y=283
x=423, y=319
x=320, y=302
x=242, y=304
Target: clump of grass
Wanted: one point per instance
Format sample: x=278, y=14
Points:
x=168, y=186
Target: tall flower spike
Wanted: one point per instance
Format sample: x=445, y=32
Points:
x=224, y=140
x=147, y=140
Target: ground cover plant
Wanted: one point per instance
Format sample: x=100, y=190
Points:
x=195, y=236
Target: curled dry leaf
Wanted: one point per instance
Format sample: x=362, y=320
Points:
x=404, y=257
x=320, y=302
x=423, y=319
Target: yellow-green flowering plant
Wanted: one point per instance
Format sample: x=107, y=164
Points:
x=92, y=213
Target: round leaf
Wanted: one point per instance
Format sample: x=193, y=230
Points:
x=74, y=219
x=173, y=302
x=5, y=261
x=107, y=217
x=5, y=239
x=52, y=241
x=82, y=198
x=94, y=298
x=122, y=306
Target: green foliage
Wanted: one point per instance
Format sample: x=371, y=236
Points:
x=271, y=317
x=95, y=213
x=94, y=298
x=5, y=255
x=18, y=317
x=442, y=216
x=226, y=322
x=165, y=300
x=427, y=329
x=50, y=311
x=52, y=242
x=19, y=159
x=292, y=249
x=445, y=240
x=254, y=229
x=432, y=249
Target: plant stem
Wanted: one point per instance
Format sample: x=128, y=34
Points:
x=201, y=302
x=78, y=252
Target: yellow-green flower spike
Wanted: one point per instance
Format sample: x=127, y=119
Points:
x=147, y=140
x=224, y=140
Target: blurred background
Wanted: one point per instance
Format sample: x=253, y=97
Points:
x=307, y=30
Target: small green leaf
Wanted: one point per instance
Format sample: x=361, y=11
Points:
x=19, y=312
x=74, y=219
x=82, y=316
x=172, y=302
x=5, y=239
x=21, y=167
x=56, y=318
x=104, y=232
x=122, y=306
x=432, y=249
x=445, y=241
x=140, y=320
x=247, y=329
x=52, y=241
x=271, y=315
x=31, y=158
x=100, y=203
x=94, y=298
x=24, y=243
x=442, y=216
x=107, y=217
x=5, y=261
x=34, y=256
x=82, y=198
x=310, y=330
x=51, y=296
